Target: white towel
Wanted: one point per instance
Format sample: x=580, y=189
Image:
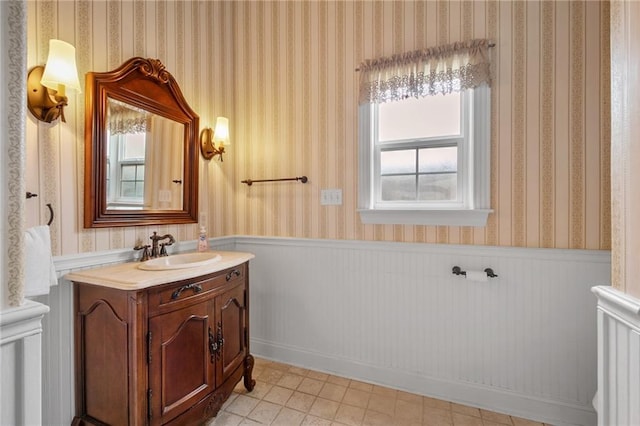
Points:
x=40, y=272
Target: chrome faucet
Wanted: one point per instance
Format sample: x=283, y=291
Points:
x=155, y=245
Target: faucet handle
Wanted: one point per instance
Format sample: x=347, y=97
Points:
x=163, y=249
x=145, y=252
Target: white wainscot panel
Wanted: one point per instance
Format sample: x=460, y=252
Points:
x=618, y=400
x=523, y=343
x=21, y=359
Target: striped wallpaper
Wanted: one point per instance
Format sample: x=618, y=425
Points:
x=283, y=72
x=295, y=106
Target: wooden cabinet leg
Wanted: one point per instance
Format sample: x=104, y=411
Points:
x=249, y=383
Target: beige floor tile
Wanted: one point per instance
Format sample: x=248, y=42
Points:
x=436, y=403
x=490, y=423
x=409, y=397
x=310, y=386
x=356, y=398
x=374, y=418
x=460, y=419
x=336, y=380
x=229, y=400
x=290, y=381
x=259, y=391
x=496, y=417
x=298, y=370
x=332, y=391
x=433, y=418
x=278, y=395
x=350, y=415
x=248, y=422
x=318, y=375
x=405, y=422
x=517, y=421
x=270, y=375
x=280, y=366
x=408, y=411
x=324, y=408
x=428, y=412
x=265, y=412
x=381, y=390
x=367, y=387
x=288, y=417
x=465, y=409
x=242, y=405
x=300, y=401
x=382, y=404
x=310, y=420
x=226, y=419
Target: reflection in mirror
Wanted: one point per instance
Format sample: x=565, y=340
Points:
x=144, y=159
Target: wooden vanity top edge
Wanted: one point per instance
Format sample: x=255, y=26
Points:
x=127, y=276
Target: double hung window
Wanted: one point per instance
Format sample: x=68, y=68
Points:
x=424, y=137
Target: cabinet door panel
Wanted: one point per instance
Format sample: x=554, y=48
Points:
x=106, y=344
x=180, y=369
x=231, y=306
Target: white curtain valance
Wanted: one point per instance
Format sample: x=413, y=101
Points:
x=437, y=70
x=123, y=119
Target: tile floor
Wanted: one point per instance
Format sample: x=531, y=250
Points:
x=291, y=396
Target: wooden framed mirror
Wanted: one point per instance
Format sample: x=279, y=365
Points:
x=141, y=148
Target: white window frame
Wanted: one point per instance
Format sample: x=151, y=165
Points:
x=115, y=197
x=471, y=208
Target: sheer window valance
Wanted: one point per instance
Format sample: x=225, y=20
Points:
x=437, y=70
x=125, y=119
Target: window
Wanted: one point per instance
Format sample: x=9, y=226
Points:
x=424, y=159
x=125, y=170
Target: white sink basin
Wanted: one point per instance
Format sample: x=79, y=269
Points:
x=180, y=261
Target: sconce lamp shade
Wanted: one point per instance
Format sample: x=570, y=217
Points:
x=46, y=86
x=212, y=142
x=60, y=69
x=221, y=133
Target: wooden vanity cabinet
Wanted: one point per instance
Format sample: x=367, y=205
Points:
x=168, y=354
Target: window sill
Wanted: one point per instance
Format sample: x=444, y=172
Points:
x=443, y=217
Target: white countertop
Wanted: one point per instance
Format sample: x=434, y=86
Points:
x=127, y=276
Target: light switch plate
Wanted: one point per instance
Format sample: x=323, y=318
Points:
x=331, y=197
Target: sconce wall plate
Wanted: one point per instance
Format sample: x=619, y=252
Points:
x=43, y=102
x=207, y=145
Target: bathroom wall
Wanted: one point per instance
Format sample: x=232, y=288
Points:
x=284, y=74
x=106, y=33
x=296, y=94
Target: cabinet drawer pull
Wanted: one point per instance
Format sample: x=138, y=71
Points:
x=233, y=273
x=197, y=288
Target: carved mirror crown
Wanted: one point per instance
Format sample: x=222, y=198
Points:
x=141, y=148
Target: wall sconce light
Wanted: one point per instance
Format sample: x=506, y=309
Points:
x=46, y=85
x=212, y=142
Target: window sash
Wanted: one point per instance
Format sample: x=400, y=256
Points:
x=461, y=141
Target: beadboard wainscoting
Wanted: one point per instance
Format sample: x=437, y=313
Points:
x=21, y=353
x=618, y=400
x=523, y=343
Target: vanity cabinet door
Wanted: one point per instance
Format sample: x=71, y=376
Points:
x=181, y=367
x=230, y=319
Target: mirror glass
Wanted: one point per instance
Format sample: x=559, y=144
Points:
x=144, y=159
x=141, y=148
